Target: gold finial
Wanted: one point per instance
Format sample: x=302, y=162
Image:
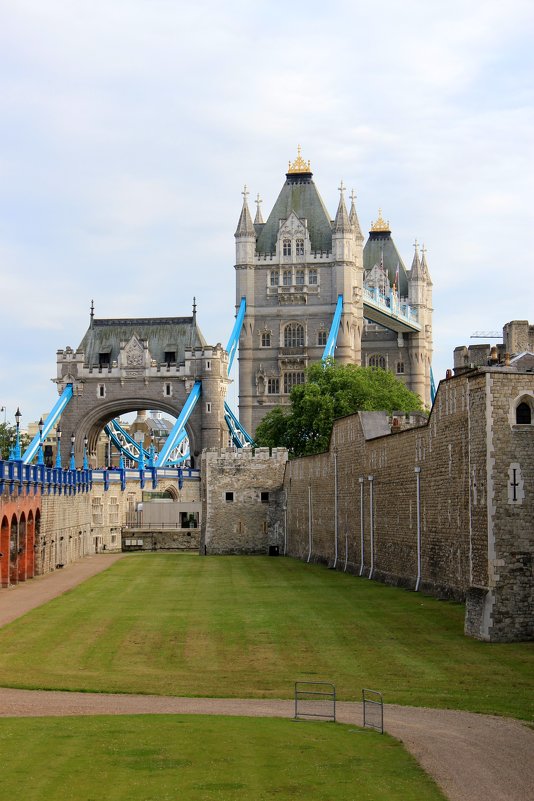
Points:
x=380, y=224
x=299, y=165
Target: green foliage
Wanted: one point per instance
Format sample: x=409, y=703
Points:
x=203, y=758
x=7, y=439
x=179, y=624
x=332, y=390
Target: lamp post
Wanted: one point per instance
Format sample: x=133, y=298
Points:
x=16, y=453
x=85, y=461
x=72, y=464
x=58, y=446
x=4, y=410
x=40, y=456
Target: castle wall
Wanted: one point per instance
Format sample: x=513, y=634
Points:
x=430, y=508
x=242, y=507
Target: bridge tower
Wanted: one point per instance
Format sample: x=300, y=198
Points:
x=291, y=269
x=126, y=365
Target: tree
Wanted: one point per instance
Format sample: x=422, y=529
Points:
x=331, y=391
x=8, y=433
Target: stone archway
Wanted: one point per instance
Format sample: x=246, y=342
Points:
x=4, y=552
x=30, y=546
x=22, y=549
x=14, y=550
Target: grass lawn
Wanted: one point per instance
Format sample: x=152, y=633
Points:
x=200, y=758
x=175, y=624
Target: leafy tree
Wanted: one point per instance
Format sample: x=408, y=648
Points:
x=332, y=390
x=8, y=433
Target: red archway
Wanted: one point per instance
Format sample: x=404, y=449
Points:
x=14, y=551
x=30, y=546
x=4, y=552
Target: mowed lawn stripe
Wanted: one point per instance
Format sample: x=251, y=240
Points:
x=179, y=624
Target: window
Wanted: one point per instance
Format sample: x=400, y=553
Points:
x=264, y=497
x=292, y=380
x=266, y=339
x=286, y=278
x=208, y=364
x=96, y=511
x=377, y=361
x=400, y=367
x=229, y=497
x=208, y=407
x=103, y=359
x=312, y=275
x=113, y=510
x=523, y=414
x=168, y=390
x=273, y=386
x=321, y=338
x=286, y=247
x=299, y=277
x=169, y=357
x=299, y=247
x=293, y=336
x=101, y=391
x=274, y=277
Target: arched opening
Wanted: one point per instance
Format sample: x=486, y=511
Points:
x=14, y=550
x=293, y=336
x=22, y=551
x=523, y=414
x=30, y=546
x=4, y=552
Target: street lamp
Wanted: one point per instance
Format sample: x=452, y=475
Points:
x=58, y=446
x=17, y=454
x=40, y=459
x=72, y=464
x=85, y=461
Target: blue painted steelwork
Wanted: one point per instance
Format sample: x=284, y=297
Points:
x=18, y=478
x=240, y=437
x=432, y=387
x=334, y=328
x=178, y=432
x=129, y=447
x=50, y=422
x=233, y=342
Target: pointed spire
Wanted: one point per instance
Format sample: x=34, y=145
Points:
x=342, y=223
x=258, y=220
x=353, y=217
x=424, y=266
x=92, y=314
x=245, y=226
x=416, y=271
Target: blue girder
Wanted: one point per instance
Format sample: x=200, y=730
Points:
x=240, y=437
x=178, y=432
x=233, y=342
x=432, y=386
x=49, y=424
x=334, y=329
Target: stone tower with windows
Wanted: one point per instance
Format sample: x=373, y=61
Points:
x=292, y=268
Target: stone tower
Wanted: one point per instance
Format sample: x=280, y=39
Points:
x=291, y=270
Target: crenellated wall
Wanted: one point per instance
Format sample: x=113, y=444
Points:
x=433, y=508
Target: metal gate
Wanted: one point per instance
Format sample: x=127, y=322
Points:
x=315, y=699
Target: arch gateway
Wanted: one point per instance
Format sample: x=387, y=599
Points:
x=125, y=365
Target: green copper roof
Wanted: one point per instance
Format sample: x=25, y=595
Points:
x=382, y=243
x=299, y=194
x=163, y=334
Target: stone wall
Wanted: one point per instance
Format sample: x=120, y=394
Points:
x=429, y=508
x=242, y=508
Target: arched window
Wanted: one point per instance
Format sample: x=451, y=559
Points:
x=286, y=247
x=400, y=367
x=273, y=386
x=293, y=336
x=523, y=414
x=286, y=278
x=377, y=361
x=299, y=247
x=274, y=278
x=266, y=339
x=312, y=275
x=299, y=277
x=321, y=338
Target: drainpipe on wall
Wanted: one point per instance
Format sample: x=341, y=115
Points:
x=361, y=526
x=418, y=480
x=309, y=523
x=335, y=509
x=371, y=526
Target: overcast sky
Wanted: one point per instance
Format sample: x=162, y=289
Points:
x=128, y=128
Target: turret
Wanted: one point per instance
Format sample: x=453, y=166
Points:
x=245, y=235
x=342, y=233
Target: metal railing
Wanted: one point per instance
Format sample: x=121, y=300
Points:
x=315, y=699
x=373, y=710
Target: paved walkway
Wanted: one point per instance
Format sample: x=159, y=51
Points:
x=472, y=757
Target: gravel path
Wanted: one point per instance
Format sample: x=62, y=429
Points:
x=472, y=757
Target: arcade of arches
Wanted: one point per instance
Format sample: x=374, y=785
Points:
x=19, y=538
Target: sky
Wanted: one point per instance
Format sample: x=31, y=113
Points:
x=128, y=129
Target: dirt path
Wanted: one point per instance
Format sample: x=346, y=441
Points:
x=472, y=757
